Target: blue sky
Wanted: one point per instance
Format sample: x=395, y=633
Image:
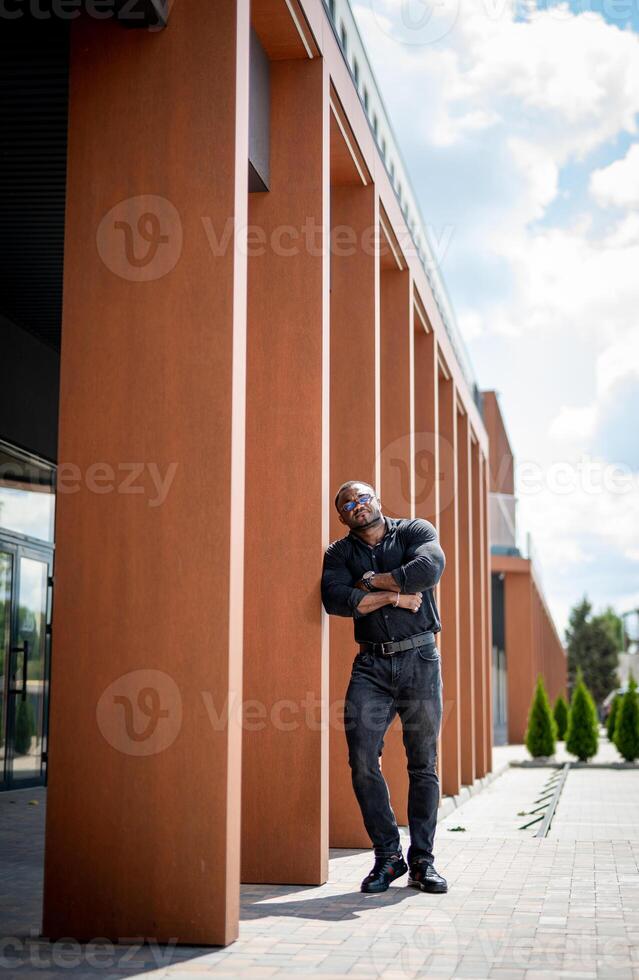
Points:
x=519, y=126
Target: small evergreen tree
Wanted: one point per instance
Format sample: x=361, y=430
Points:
x=560, y=714
x=25, y=727
x=582, y=737
x=627, y=725
x=541, y=731
x=611, y=720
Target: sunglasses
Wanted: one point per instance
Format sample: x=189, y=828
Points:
x=362, y=499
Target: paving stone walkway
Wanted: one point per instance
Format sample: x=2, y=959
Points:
x=518, y=906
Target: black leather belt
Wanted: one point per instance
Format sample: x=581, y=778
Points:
x=396, y=646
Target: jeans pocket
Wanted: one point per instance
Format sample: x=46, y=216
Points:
x=363, y=659
x=429, y=652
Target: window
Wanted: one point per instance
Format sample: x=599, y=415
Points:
x=375, y=124
x=356, y=71
x=331, y=9
x=366, y=98
x=392, y=173
x=344, y=37
x=383, y=148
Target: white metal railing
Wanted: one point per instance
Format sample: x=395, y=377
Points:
x=354, y=52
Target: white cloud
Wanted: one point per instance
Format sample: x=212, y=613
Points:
x=471, y=325
x=618, y=184
x=502, y=104
x=573, y=423
x=608, y=423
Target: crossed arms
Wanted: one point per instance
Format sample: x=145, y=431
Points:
x=422, y=569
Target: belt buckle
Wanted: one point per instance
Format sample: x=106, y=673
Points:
x=384, y=645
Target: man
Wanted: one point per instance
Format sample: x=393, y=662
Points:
x=383, y=574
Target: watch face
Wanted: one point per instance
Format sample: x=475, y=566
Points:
x=368, y=575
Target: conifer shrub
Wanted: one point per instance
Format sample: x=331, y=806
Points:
x=560, y=714
x=541, y=731
x=582, y=736
x=626, y=736
x=612, y=717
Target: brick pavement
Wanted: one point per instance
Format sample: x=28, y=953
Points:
x=518, y=906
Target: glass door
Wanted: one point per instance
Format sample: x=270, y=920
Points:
x=6, y=580
x=27, y=669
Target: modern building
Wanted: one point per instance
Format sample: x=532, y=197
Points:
x=216, y=307
x=525, y=642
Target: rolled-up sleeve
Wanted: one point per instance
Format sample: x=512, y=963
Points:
x=424, y=559
x=338, y=595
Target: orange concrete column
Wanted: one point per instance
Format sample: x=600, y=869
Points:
x=352, y=451
x=396, y=468
x=466, y=604
x=519, y=651
x=426, y=441
x=285, y=771
x=147, y=619
x=488, y=652
x=449, y=587
x=480, y=584
x=426, y=436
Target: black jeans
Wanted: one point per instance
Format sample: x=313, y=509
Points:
x=408, y=684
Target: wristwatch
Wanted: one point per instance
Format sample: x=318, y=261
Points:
x=367, y=579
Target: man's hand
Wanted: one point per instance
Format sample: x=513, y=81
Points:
x=411, y=601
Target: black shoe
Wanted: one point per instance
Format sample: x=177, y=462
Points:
x=385, y=870
x=423, y=876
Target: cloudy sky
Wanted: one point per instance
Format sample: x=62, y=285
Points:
x=518, y=124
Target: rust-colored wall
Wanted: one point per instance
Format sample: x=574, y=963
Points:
x=153, y=372
x=353, y=450
x=142, y=832
x=466, y=603
x=449, y=587
x=532, y=644
x=285, y=773
x=488, y=618
x=396, y=465
x=426, y=425
x=502, y=479
x=483, y=732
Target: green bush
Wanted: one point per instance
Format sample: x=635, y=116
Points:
x=541, y=731
x=627, y=725
x=25, y=726
x=582, y=737
x=560, y=714
x=611, y=720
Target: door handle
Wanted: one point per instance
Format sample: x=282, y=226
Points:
x=25, y=650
